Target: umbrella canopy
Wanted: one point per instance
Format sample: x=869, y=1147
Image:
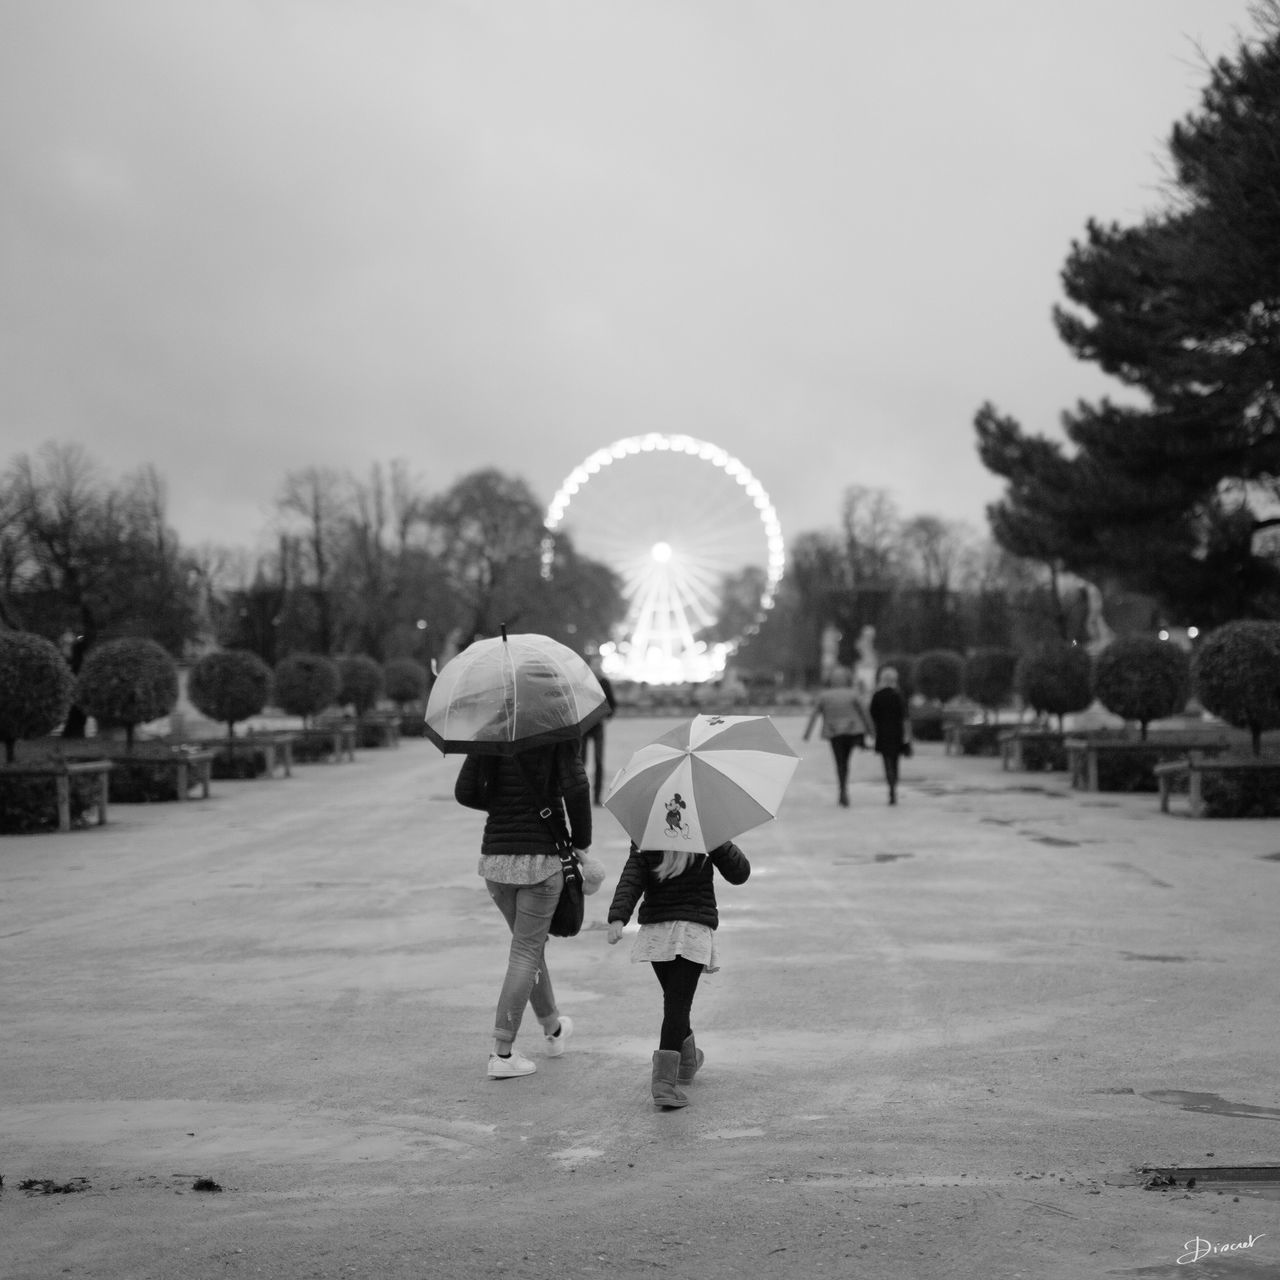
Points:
x=703, y=783
x=511, y=693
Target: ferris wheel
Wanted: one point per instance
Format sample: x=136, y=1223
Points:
x=676, y=518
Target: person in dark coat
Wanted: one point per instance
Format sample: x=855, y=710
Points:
x=594, y=737
x=892, y=723
x=521, y=868
x=678, y=919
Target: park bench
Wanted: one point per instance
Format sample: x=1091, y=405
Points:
x=276, y=749
x=382, y=728
x=1083, y=753
x=194, y=769
x=338, y=738
x=62, y=775
x=1192, y=770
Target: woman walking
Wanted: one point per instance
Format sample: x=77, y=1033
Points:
x=678, y=920
x=892, y=723
x=844, y=724
x=521, y=868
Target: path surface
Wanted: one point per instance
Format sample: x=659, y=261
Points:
x=944, y=1037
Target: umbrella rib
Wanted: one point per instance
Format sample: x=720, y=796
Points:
x=515, y=690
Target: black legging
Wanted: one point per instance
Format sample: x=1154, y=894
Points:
x=842, y=746
x=679, y=978
x=891, y=759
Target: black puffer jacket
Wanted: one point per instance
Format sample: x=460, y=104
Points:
x=495, y=785
x=688, y=896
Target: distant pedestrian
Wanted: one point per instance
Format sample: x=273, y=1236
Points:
x=594, y=737
x=521, y=869
x=845, y=724
x=892, y=721
x=678, y=920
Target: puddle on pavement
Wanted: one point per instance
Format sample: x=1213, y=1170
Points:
x=1230, y=1267
x=1056, y=842
x=1133, y=955
x=1251, y=1182
x=1140, y=871
x=860, y=861
x=1212, y=1104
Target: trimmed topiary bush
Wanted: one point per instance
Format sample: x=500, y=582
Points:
x=1141, y=678
x=1236, y=674
x=229, y=686
x=1056, y=679
x=361, y=682
x=987, y=678
x=36, y=689
x=126, y=683
x=305, y=684
x=405, y=681
x=938, y=674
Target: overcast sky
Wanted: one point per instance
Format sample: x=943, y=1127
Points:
x=239, y=239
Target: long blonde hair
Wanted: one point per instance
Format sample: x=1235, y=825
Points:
x=675, y=862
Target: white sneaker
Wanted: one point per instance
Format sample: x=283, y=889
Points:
x=555, y=1044
x=509, y=1068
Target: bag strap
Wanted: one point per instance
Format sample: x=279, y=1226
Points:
x=551, y=816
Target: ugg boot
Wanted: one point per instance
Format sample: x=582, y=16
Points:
x=666, y=1066
x=691, y=1058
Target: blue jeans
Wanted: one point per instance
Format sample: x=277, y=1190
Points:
x=527, y=909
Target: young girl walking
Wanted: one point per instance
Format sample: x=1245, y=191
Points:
x=678, y=920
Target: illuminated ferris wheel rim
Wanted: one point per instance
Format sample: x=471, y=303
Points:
x=659, y=442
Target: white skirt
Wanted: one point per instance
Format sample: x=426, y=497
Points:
x=671, y=938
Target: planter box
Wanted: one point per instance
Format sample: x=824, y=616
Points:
x=136, y=778
x=1223, y=786
x=256, y=755
x=378, y=729
x=1034, y=750
x=334, y=742
x=79, y=787
x=973, y=739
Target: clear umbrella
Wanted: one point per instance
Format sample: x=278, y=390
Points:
x=511, y=693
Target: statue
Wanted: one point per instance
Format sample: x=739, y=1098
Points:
x=829, y=652
x=868, y=660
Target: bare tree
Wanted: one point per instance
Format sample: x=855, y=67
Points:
x=312, y=510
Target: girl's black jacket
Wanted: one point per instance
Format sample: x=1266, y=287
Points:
x=688, y=896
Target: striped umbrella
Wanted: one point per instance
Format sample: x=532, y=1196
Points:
x=703, y=783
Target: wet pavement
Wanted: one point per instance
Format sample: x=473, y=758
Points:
x=953, y=1037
